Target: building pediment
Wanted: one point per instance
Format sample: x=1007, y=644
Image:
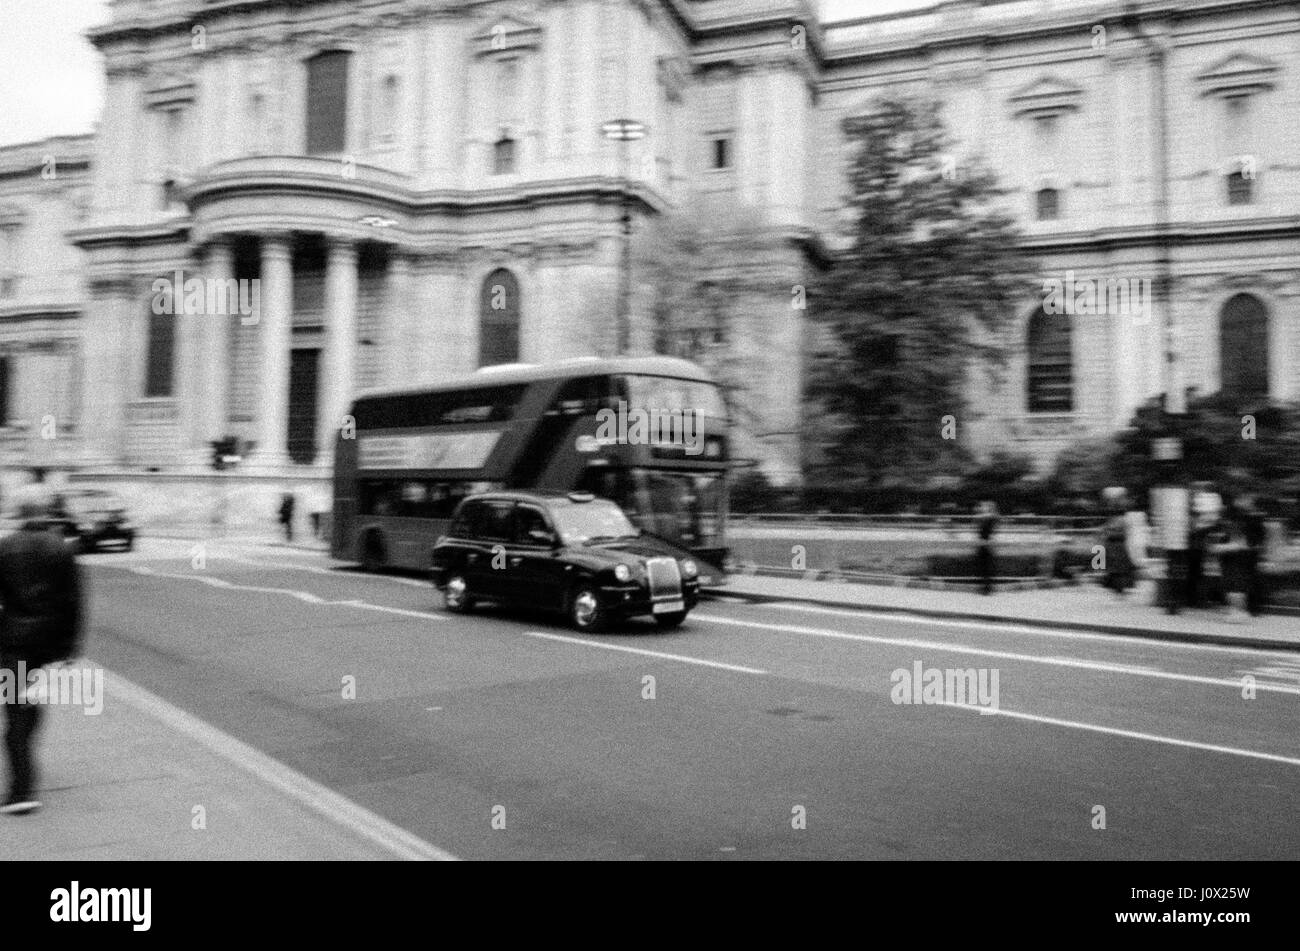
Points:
x=506, y=34
x=1046, y=96
x=1238, y=74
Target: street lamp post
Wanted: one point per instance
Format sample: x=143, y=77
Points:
x=624, y=131
x=1170, y=494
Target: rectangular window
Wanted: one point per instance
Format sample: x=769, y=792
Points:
x=160, y=355
x=720, y=152
x=1241, y=189
x=327, y=102
x=486, y=405
x=4, y=390
x=1048, y=204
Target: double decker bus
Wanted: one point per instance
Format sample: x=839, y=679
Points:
x=416, y=452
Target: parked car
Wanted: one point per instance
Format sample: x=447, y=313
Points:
x=92, y=519
x=570, y=553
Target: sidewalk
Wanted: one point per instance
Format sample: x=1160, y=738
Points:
x=1086, y=607
x=125, y=784
x=203, y=531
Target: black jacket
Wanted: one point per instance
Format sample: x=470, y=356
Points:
x=41, y=610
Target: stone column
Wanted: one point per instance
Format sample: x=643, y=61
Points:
x=105, y=369
x=215, y=342
x=187, y=378
x=339, y=371
x=274, y=330
x=400, y=340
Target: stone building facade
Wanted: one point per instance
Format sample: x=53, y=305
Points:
x=387, y=169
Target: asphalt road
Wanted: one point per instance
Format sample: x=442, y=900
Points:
x=762, y=716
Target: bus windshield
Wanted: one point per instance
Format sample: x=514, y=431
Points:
x=669, y=394
x=685, y=508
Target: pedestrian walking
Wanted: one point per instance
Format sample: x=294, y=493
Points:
x=287, y=505
x=986, y=527
x=1120, y=571
x=1248, y=534
x=1204, y=570
x=41, y=616
x=1227, y=547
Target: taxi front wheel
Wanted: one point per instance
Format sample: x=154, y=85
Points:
x=585, y=611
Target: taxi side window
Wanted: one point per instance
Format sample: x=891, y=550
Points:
x=463, y=526
x=492, y=522
x=528, y=520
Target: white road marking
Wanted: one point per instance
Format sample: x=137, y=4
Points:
x=1135, y=735
x=214, y=551
x=1009, y=628
x=322, y=800
x=735, y=668
x=944, y=646
x=304, y=596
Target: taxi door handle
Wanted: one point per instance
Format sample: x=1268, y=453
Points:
x=516, y=559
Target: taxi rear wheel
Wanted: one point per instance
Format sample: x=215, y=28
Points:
x=455, y=595
x=585, y=611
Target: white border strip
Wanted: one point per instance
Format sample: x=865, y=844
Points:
x=325, y=802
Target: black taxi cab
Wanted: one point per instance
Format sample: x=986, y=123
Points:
x=567, y=552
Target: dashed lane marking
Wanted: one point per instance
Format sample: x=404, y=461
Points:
x=305, y=596
x=681, y=658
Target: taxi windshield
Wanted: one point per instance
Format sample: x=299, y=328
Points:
x=585, y=523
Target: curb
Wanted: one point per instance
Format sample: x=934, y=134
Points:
x=1188, y=637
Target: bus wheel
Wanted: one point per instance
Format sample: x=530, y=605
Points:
x=372, y=553
x=455, y=595
x=670, y=620
x=585, y=612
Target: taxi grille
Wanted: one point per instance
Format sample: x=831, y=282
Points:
x=665, y=579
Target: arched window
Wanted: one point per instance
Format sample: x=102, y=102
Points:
x=160, y=352
x=1048, y=204
x=1050, y=371
x=327, y=102
x=1243, y=347
x=499, y=319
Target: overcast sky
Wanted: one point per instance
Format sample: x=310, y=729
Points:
x=50, y=77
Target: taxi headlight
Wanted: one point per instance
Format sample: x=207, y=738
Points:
x=689, y=569
x=622, y=573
